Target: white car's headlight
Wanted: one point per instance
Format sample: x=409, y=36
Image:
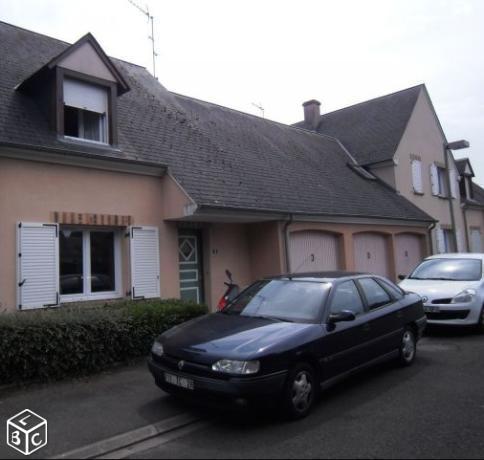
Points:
x=226, y=366
x=466, y=296
x=157, y=349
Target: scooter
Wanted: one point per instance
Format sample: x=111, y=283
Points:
x=231, y=293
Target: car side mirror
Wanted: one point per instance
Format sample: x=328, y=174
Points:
x=345, y=316
x=402, y=277
x=229, y=274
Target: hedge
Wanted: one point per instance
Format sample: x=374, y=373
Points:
x=51, y=345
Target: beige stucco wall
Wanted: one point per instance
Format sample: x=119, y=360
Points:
x=386, y=173
x=423, y=137
x=31, y=192
x=85, y=60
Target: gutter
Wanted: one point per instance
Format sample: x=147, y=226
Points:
x=287, y=224
x=447, y=152
x=464, y=213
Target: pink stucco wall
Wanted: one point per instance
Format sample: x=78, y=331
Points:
x=31, y=192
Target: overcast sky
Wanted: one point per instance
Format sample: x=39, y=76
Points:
x=280, y=53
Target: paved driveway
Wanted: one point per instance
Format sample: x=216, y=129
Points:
x=435, y=409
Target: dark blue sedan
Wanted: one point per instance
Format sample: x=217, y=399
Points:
x=285, y=338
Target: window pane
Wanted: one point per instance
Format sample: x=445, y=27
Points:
x=375, y=294
x=392, y=288
x=347, y=297
x=102, y=262
x=71, y=263
x=449, y=270
x=71, y=121
x=92, y=126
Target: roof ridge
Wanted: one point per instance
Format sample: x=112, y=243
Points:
x=421, y=85
x=251, y=115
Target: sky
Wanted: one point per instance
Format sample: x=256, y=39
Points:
x=279, y=53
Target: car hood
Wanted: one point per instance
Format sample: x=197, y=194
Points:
x=438, y=289
x=220, y=336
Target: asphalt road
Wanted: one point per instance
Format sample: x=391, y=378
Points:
x=433, y=410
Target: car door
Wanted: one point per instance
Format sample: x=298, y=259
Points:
x=343, y=347
x=384, y=316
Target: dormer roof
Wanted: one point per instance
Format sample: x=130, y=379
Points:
x=85, y=57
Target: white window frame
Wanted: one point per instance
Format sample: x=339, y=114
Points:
x=417, y=176
x=87, y=295
x=442, y=180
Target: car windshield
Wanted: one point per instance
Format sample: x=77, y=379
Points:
x=448, y=270
x=281, y=300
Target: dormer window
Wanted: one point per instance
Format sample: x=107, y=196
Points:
x=86, y=111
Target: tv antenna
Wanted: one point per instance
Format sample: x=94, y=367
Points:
x=260, y=107
x=151, y=37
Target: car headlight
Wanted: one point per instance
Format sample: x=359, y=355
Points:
x=466, y=296
x=226, y=366
x=157, y=349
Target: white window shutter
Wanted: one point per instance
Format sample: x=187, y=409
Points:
x=434, y=178
x=439, y=233
x=145, y=263
x=453, y=183
x=460, y=241
x=476, y=241
x=417, y=176
x=38, y=265
x=85, y=96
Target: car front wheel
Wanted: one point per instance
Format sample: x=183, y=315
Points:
x=480, y=326
x=408, y=348
x=300, y=392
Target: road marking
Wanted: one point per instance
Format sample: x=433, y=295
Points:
x=131, y=438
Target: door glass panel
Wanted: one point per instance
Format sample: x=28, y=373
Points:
x=103, y=277
x=347, y=297
x=374, y=293
x=71, y=263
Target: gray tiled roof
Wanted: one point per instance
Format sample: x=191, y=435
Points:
x=223, y=158
x=371, y=130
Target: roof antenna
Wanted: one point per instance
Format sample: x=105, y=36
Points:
x=150, y=17
x=259, y=106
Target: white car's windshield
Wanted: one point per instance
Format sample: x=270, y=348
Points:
x=284, y=300
x=448, y=270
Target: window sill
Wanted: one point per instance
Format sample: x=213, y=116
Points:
x=90, y=298
x=88, y=143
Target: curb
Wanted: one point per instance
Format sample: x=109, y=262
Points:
x=125, y=440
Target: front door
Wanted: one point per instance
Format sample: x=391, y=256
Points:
x=191, y=265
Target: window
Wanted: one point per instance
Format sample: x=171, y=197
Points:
x=449, y=243
x=85, y=111
x=442, y=176
x=89, y=264
x=375, y=295
x=347, y=297
x=394, y=290
x=449, y=270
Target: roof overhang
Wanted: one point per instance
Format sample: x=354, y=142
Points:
x=80, y=159
x=209, y=214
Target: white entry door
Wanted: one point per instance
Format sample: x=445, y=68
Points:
x=314, y=251
x=371, y=254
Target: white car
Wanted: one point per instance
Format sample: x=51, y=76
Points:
x=452, y=289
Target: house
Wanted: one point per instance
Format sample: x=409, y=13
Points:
x=399, y=139
x=111, y=186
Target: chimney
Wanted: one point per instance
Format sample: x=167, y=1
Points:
x=312, y=113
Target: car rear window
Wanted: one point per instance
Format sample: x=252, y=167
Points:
x=448, y=270
x=286, y=300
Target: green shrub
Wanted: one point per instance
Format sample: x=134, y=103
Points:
x=81, y=340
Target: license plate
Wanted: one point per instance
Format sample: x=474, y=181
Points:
x=432, y=310
x=180, y=382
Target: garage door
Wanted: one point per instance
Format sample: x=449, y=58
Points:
x=314, y=251
x=371, y=254
x=408, y=253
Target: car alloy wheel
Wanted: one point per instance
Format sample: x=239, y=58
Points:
x=408, y=348
x=300, y=392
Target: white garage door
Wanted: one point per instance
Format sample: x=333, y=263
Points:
x=371, y=254
x=408, y=253
x=314, y=251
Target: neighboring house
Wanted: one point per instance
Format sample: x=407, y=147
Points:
x=112, y=186
x=472, y=199
x=399, y=138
